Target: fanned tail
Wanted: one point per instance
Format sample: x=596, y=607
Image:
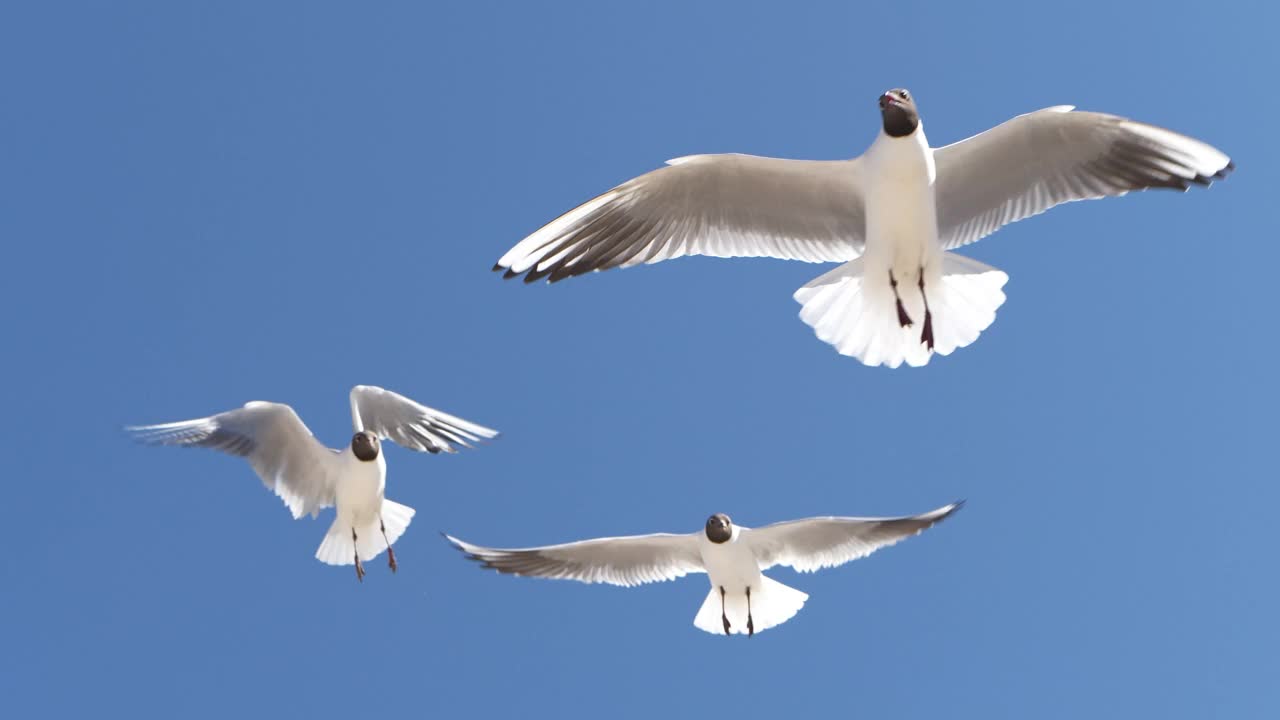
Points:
x=861, y=316
x=337, y=548
x=772, y=604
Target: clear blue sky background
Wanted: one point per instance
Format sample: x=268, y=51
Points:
x=209, y=203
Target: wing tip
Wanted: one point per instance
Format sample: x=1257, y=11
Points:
x=143, y=434
x=172, y=433
x=462, y=546
x=1205, y=180
x=947, y=511
x=487, y=563
x=471, y=552
x=475, y=435
x=552, y=274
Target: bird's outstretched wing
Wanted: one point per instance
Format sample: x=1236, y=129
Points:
x=815, y=543
x=1027, y=165
x=624, y=561
x=412, y=425
x=271, y=436
x=719, y=205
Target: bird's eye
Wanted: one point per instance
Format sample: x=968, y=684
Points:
x=905, y=95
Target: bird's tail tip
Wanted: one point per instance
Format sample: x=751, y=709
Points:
x=339, y=547
x=772, y=604
x=870, y=319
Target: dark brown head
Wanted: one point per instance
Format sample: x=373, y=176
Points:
x=719, y=528
x=365, y=446
x=898, y=109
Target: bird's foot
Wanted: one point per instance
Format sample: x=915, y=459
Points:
x=751, y=627
x=725, y=620
x=359, y=570
x=903, y=318
x=391, y=558
x=926, y=333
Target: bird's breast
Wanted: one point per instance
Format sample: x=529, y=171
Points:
x=361, y=486
x=902, y=222
x=730, y=564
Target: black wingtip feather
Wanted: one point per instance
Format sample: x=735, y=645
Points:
x=534, y=275
x=453, y=542
x=470, y=555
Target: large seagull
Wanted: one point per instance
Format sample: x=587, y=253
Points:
x=310, y=477
x=891, y=216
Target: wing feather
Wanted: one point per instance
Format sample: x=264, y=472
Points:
x=271, y=436
x=1035, y=161
x=625, y=561
x=719, y=205
x=815, y=543
x=394, y=417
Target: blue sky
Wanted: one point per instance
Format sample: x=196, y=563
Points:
x=205, y=204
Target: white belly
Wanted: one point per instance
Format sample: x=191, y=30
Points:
x=358, y=496
x=902, y=220
x=731, y=565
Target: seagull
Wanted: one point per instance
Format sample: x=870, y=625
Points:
x=741, y=600
x=892, y=216
x=309, y=477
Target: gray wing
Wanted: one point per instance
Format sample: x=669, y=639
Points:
x=412, y=425
x=822, y=542
x=1029, y=164
x=719, y=205
x=284, y=453
x=624, y=561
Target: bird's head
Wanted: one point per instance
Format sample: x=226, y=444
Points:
x=365, y=446
x=898, y=110
x=719, y=528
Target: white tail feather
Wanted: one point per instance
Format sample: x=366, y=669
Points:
x=858, y=314
x=337, y=547
x=772, y=603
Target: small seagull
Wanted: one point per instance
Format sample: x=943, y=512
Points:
x=741, y=600
x=310, y=477
x=891, y=216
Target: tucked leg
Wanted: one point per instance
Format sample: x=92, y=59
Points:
x=355, y=540
x=903, y=318
x=723, y=617
x=751, y=626
x=926, y=333
x=391, y=554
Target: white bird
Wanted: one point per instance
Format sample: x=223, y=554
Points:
x=890, y=215
x=741, y=600
x=310, y=477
